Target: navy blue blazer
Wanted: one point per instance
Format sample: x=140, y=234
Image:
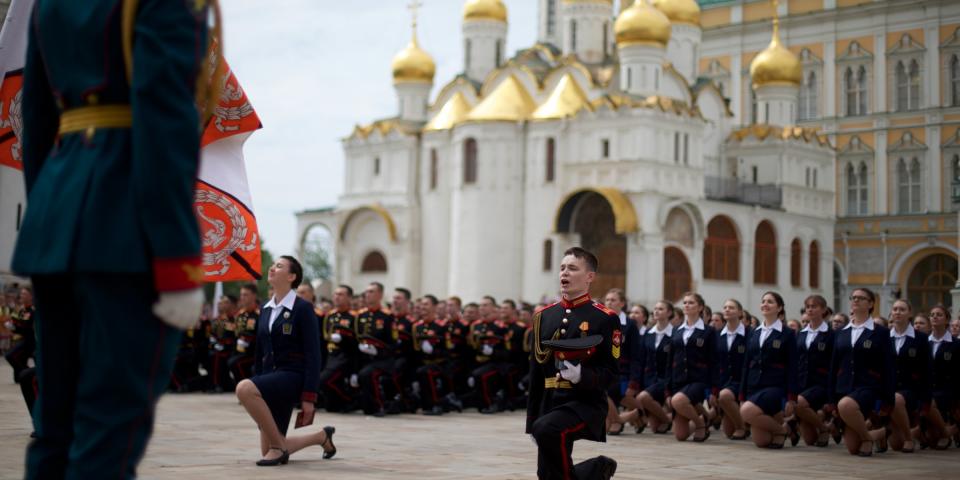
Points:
x=631, y=351
x=292, y=345
x=913, y=364
x=730, y=361
x=694, y=362
x=868, y=365
x=774, y=364
x=943, y=376
x=813, y=365
x=652, y=365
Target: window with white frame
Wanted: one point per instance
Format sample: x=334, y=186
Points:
x=857, y=180
x=905, y=60
x=955, y=80
x=854, y=66
x=908, y=185
x=808, y=97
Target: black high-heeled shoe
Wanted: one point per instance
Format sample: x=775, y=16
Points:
x=328, y=454
x=616, y=432
x=794, y=430
x=706, y=433
x=273, y=462
x=778, y=445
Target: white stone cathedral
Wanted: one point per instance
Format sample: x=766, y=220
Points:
x=602, y=134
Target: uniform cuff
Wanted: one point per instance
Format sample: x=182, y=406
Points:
x=792, y=397
x=174, y=274
x=308, y=397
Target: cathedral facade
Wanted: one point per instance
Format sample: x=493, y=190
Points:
x=678, y=141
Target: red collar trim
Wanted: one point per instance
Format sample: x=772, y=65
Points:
x=576, y=302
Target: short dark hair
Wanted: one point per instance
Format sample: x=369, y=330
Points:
x=378, y=285
x=432, y=299
x=620, y=294
x=403, y=291
x=455, y=299
x=250, y=287
x=471, y=305
x=296, y=269
x=347, y=288
x=232, y=298
x=526, y=307
x=591, y=260
x=513, y=304
x=490, y=297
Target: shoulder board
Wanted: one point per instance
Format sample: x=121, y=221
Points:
x=386, y=311
x=603, y=308
x=362, y=310
x=476, y=322
x=545, y=307
x=418, y=323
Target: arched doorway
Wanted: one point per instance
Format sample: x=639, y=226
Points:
x=601, y=218
x=677, y=278
x=931, y=280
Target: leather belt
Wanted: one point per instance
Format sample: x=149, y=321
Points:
x=88, y=119
x=553, y=382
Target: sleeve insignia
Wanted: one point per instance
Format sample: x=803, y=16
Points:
x=616, y=340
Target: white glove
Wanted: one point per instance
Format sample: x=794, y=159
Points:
x=212, y=339
x=354, y=381
x=571, y=372
x=243, y=343
x=426, y=347
x=368, y=349
x=8, y=324
x=218, y=347
x=336, y=338
x=181, y=309
x=487, y=350
x=470, y=382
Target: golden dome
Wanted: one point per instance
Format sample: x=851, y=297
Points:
x=485, y=10
x=680, y=11
x=642, y=24
x=509, y=102
x=453, y=112
x=776, y=65
x=412, y=64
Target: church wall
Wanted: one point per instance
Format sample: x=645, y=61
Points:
x=435, y=222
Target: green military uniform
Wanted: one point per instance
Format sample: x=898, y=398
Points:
x=110, y=158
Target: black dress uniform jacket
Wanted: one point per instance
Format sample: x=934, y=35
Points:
x=813, y=367
x=913, y=367
x=773, y=365
x=694, y=362
x=587, y=399
x=869, y=364
x=730, y=360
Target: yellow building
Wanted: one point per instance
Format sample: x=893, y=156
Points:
x=882, y=79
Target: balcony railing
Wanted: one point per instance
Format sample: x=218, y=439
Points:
x=733, y=190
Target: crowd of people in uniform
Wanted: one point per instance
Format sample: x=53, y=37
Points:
x=867, y=381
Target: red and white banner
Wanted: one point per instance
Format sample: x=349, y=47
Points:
x=231, y=240
x=13, y=51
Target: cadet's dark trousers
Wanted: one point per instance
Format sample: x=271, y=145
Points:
x=103, y=360
x=28, y=387
x=333, y=382
x=372, y=378
x=487, y=378
x=18, y=356
x=241, y=365
x=555, y=433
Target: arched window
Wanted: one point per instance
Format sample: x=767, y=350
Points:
x=913, y=93
x=374, y=262
x=753, y=106
x=908, y=186
x=551, y=171
x=765, y=259
x=955, y=80
x=855, y=87
x=547, y=255
x=849, y=86
x=862, y=90
x=376, y=166
x=721, y=252
x=902, y=84
x=469, y=161
x=808, y=97
x=796, y=263
x=606, y=39
x=434, y=166
x=551, y=16
x=857, y=189
x=466, y=54
x=573, y=35
x=498, y=53
x=814, y=264
x=677, y=278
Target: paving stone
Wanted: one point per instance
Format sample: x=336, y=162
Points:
x=211, y=437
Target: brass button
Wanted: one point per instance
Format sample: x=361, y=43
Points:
x=563, y=331
x=565, y=321
x=89, y=133
x=568, y=310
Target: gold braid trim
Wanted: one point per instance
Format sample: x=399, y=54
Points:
x=212, y=76
x=541, y=354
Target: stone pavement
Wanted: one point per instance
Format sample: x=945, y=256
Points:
x=211, y=437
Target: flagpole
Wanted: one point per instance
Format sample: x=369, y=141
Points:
x=217, y=293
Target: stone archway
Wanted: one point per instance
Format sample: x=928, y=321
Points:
x=677, y=278
x=931, y=280
x=601, y=218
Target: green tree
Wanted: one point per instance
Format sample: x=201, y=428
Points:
x=316, y=256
